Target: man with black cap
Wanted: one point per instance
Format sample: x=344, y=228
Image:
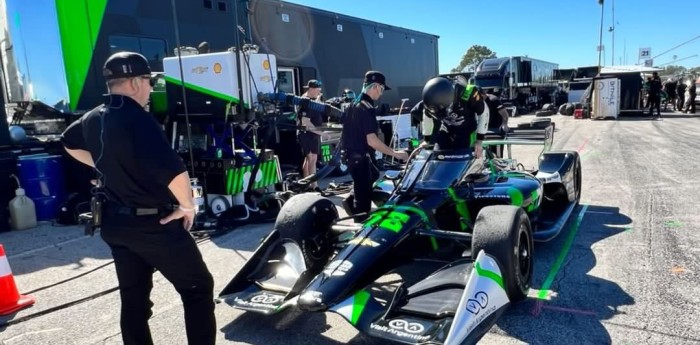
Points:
x=360, y=140
x=148, y=207
x=310, y=138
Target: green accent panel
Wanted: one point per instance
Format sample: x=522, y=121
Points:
x=468, y=92
x=490, y=275
x=516, y=196
x=461, y=206
x=229, y=180
x=159, y=102
x=472, y=139
x=433, y=243
x=205, y=91
x=79, y=25
x=235, y=177
x=358, y=305
x=533, y=201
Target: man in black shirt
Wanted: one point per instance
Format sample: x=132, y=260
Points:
x=680, y=90
x=141, y=178
x=655, y=95
x=692, y=92
x=310, y=139
x=360, y=140
x=498, y=118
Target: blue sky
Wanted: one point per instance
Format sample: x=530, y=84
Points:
x=561, y=31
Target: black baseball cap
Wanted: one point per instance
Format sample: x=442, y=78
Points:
x=125, y=65
x=376, y=77
x=313, y=83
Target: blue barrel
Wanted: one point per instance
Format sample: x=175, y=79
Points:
x=42, y=178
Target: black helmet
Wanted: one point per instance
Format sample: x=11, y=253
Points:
x=438, y=94
x=349, y=93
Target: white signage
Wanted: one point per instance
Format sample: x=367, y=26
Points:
x=606, y=98
x=649, y=63
x=644, y=53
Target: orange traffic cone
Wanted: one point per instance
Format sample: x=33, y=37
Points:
x=10, y=299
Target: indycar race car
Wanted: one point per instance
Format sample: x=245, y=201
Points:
x=477, y=218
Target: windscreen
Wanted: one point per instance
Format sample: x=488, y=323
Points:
x=441, y=174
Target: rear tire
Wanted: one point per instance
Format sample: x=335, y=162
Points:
x=306, y=220
x=504, y=232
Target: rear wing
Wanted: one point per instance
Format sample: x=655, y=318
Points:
x=536, y=133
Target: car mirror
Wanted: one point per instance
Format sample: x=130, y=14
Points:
x=392, y=174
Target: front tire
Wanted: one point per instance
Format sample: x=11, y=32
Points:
x=504, y=232
x=306, y=220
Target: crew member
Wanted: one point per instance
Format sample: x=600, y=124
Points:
x=344, y=101
x=460, y=111
x=360, y=140
x=655, y=95
x=310, y=138
x=149, y=207
x=680, y=90
x=498, y=117
x=692, y=92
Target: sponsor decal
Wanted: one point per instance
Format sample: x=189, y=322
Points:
x=492, y=196
x=477, y=303
x=452, y=156
x=266, y=64
x=262, y=301
x=338, y=268
x=266, y=299
x=217, y=68
x=364, y=241
x=402, y=329
x=200, y=70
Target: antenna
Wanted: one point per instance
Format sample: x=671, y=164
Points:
x=182, y=84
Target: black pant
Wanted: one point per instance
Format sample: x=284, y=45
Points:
x=363, y=173
x=691, y=104
x=654, y=102
x=681, y=102
x=140, y=245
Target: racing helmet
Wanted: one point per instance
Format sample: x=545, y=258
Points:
x=438, y=95
x=349, y=94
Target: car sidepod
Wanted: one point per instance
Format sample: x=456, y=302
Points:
x=560, y=174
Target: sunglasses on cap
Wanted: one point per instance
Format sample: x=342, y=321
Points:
x=151, y=81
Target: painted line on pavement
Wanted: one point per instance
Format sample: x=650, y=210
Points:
x=569, y=310
x=554, y=270
x=582, y=146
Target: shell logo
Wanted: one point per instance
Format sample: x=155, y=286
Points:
x=217, y=68
x=266, y=64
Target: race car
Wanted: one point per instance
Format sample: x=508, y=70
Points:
x=476, y=218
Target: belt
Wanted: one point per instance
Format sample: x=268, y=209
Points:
x=358, y=155
x=140, y=211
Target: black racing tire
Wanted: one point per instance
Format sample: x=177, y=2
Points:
x=562, y=109
x=569, y=109
x=504, y=232
x=306, y=219
x=548, y=106
x=578, y=179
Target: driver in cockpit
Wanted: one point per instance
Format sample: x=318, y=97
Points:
x=460, y=112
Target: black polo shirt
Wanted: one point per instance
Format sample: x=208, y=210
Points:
x=359, y=121
x=495, y=105
x=130, y=150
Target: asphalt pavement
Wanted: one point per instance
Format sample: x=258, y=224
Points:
x=625, y=270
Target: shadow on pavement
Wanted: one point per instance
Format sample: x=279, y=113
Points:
x=289, y=327
x=576, y=301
